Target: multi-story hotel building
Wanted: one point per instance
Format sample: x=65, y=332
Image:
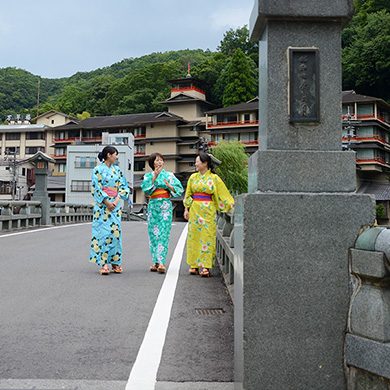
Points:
x=176, y=134
x=366, y=130
x=239, y=122
x=20, y=140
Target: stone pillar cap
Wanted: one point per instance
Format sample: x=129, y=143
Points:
x=296, y=10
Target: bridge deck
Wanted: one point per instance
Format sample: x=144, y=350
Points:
x=64, y=326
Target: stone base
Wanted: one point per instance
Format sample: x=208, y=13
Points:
x=302, y=171
x=292, y=287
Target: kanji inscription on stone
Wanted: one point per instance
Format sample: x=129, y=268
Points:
x=304, y=85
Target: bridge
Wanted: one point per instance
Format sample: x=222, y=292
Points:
x=64, y=326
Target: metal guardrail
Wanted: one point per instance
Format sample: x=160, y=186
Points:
x=27, y=214
x=225, y=249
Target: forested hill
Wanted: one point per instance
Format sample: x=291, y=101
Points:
x=85, y=91
x=137, y=85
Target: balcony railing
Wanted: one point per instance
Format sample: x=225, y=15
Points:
x=370, y=160
x=59, y=155
x=211, y=125
x=139, y=153
x=69, y=139
x=91, y=139
x=358, y=117
x=140, y=136
x=179, y=89
x=246, y=143
x=362, y=138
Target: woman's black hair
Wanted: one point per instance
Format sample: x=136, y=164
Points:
x=108, y=149
x=204, y=157
x=152, y=158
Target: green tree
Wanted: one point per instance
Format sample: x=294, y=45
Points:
x=239, y=39
x=83, y=115
x=240, y=85
x=234, y=168
x=366, y=55
x=364, y=7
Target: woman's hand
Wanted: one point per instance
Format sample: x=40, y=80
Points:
x=169, y=185
x=186, y=213
x=111, y=205
x=156, y=172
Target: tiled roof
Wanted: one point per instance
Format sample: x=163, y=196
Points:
x=381, y=191
x=353, y=97
x=251, y=105
x=123, y=120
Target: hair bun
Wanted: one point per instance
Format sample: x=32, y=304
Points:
x=100, y=156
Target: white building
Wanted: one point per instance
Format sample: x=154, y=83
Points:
x=81, y=159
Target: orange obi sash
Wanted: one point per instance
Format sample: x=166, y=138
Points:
x=110, y=191
x=159, y=193
x=202, y=197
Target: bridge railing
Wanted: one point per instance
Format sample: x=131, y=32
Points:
x=26, y=214
x=225, y=249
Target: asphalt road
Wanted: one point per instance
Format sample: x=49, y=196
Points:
x=64, y=326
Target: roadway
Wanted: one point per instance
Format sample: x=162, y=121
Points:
x=65, y=326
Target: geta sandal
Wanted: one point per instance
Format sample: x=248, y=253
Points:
x=205, y=272
x=154, y=267
x=161, y=268
x=117, y=268
x=194, y=271
x=104, y=271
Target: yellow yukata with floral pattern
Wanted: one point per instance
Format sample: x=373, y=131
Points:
x=202, y=221
x=106, y=242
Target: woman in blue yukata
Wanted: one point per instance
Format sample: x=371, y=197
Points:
x=160, y=186
x=109, y=185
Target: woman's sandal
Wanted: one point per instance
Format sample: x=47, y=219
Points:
x=117, y=268
x=194, y=271
x=104, y=271
x=154, y=267
x=161, y=268
x=205, y=272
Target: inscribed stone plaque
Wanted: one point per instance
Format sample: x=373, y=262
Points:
x=304, y=85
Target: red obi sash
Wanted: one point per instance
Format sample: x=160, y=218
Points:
x=110, y=191
x=202, y=197
x=159, y=193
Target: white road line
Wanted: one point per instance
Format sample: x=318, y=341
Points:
x=43, y=229
x=143, y=375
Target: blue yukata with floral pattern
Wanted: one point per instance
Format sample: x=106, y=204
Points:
x=160, y=213
x=106, y=242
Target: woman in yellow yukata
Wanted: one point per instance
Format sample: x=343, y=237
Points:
x=205, y=194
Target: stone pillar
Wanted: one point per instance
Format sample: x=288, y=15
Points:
x=41, y=171
x=294, y=228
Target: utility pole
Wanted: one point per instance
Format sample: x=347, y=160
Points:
x=13, y=173
x=39, y=81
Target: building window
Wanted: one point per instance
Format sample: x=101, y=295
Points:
x=61, y=168
x=84, y=162
x=192, y=164
x=12, y=150
x=35, y=135
x=5, y=188
x=81, y=186
x=34, y=149
x=52, y=121
x=60, y=151
x=193, y=146
x=23, y=171
x=139, y=165
x=12, y=136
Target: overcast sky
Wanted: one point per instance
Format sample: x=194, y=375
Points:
x=55, y=39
